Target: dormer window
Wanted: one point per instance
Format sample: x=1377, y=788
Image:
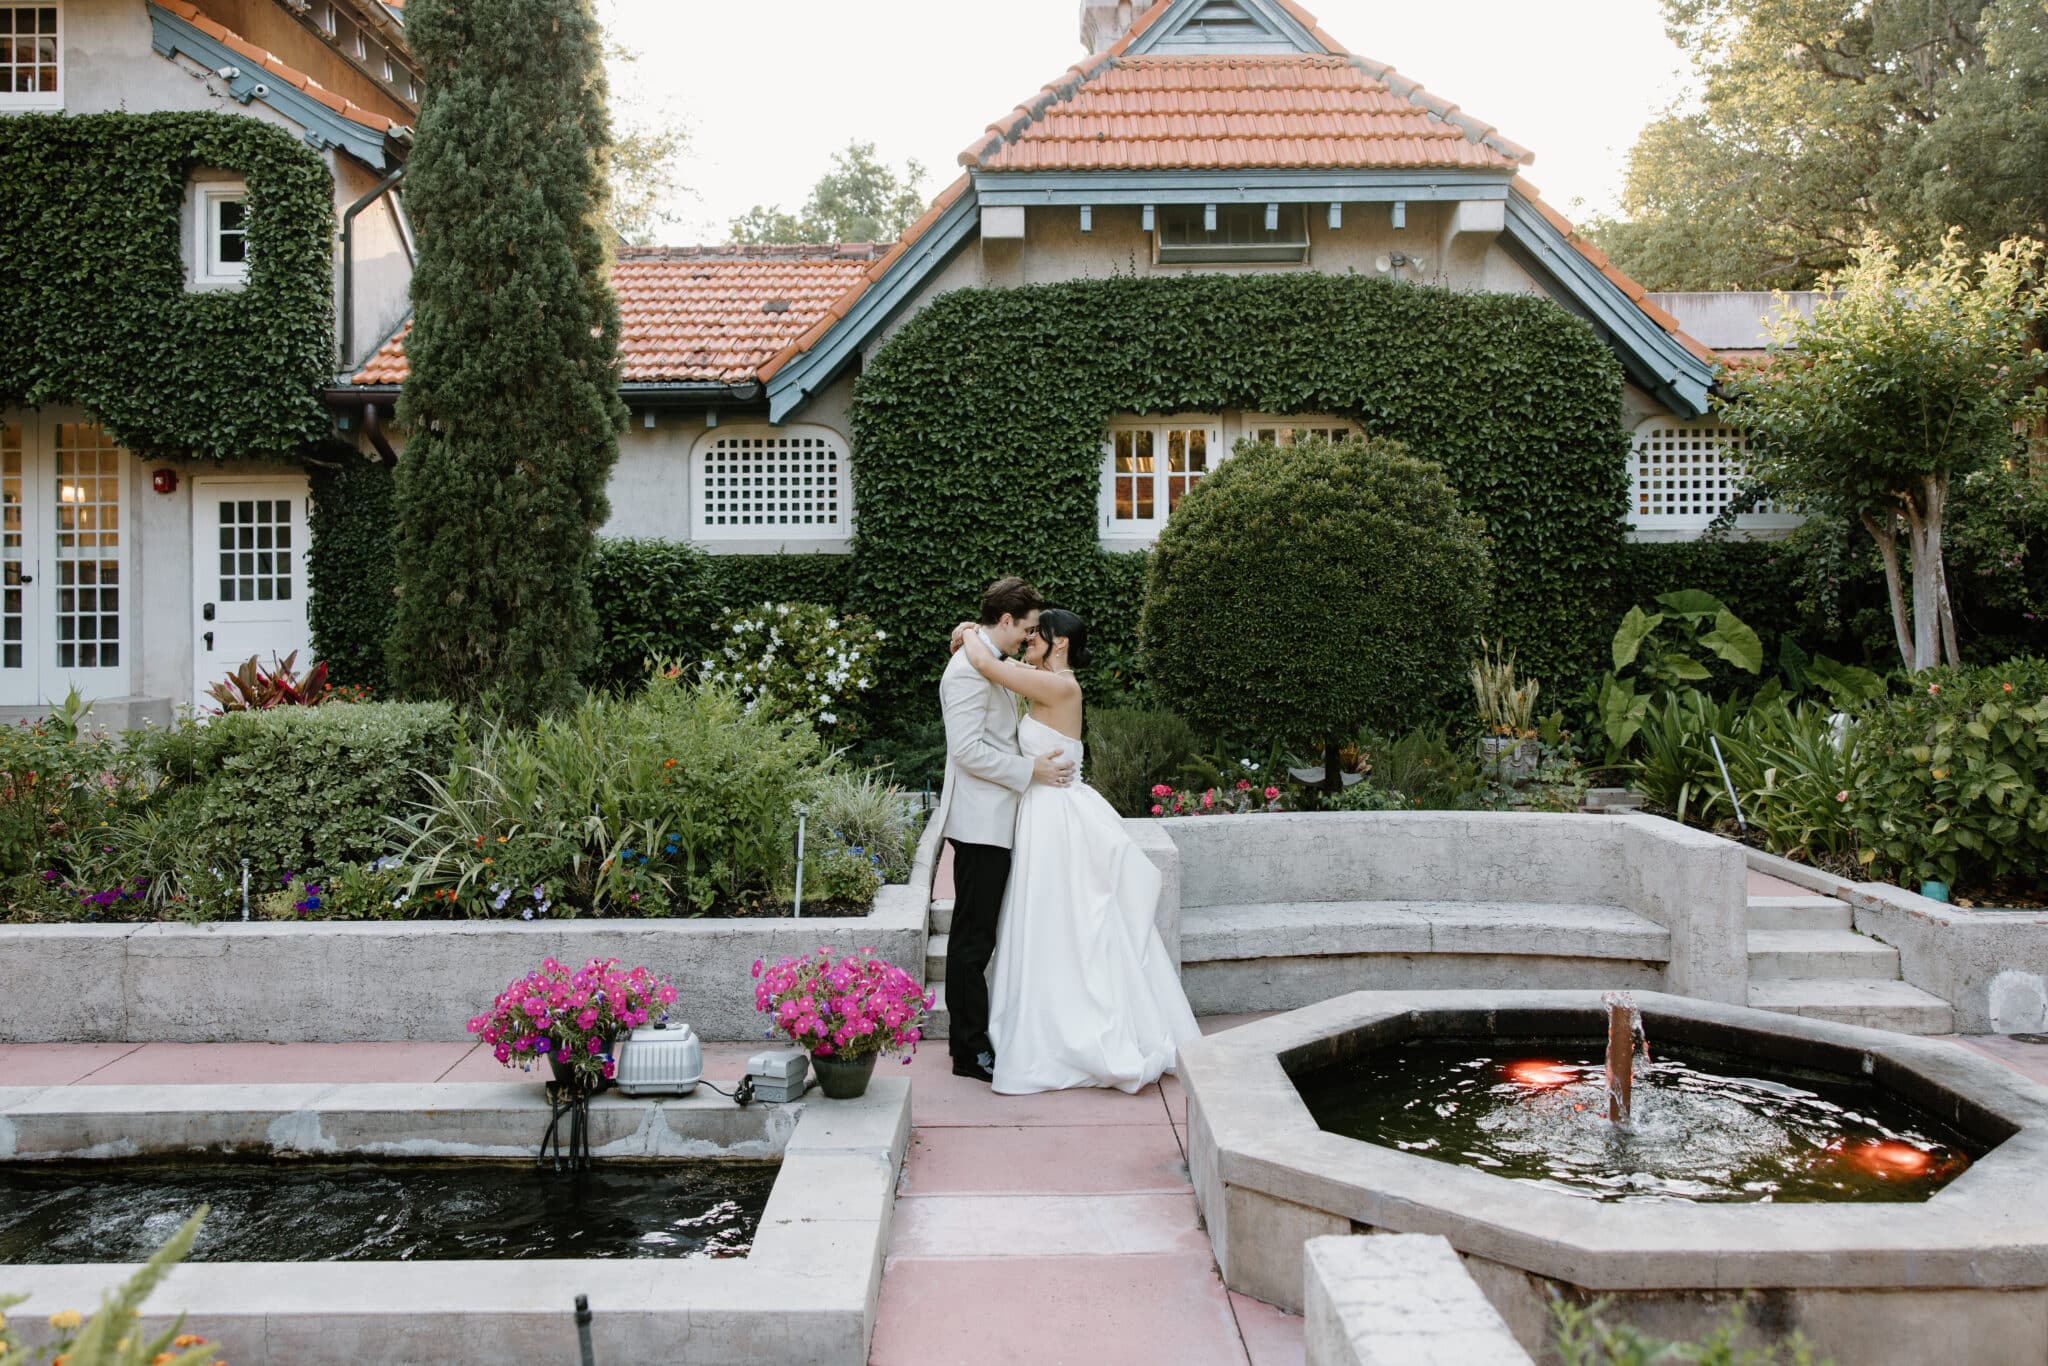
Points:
x=31, y=57
x=1222, y=234
x=222, y=233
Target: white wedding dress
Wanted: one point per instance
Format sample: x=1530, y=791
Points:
x=1081, y=992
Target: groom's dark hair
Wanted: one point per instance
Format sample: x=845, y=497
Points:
x=1011, y=597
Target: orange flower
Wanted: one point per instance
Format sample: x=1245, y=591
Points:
x=188, y=1340
x=487, y=861
x=672, y=763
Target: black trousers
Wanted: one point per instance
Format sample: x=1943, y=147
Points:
x=980, y=873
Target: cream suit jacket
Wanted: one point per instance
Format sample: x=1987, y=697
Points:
x=984, y=772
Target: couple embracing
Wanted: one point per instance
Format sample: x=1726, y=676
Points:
x=1080, y=991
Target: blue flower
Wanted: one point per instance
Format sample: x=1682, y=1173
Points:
x=527, y=914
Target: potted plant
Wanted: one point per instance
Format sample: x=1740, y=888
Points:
x=1507, y=715
x=847, y=1012
x=568, y=1018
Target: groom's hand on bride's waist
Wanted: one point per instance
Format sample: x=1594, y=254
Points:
x=1052, y=770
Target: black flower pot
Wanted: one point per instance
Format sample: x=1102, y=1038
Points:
x=843, y=1080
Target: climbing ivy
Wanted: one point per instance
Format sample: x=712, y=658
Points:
x=97, y=310
x=349, y=562
x=978, y=438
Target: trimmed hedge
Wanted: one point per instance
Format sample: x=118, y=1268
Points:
x=978, y=438
x=352, y=571
x=97, y=311
x=306, y=790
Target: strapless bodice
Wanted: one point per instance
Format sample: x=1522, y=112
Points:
x=1034, y=738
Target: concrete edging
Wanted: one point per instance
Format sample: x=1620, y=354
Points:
x=807, y=1291
x=360, y=982
x=1398, y=1298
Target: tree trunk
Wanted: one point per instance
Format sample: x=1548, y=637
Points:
x=1886, y=534
x=1926, y=612
x=1937, y=517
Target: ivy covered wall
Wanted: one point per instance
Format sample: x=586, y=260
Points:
x=977, y=438
x=96, y=311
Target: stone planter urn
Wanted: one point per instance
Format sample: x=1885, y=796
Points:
x=1512, y=760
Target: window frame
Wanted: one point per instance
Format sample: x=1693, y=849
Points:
x=738, y=537
x=1136, y=532
x=1211, y=252
x=15, y=101
x=1290, y=424
x=207, y=267
x=1681, y=481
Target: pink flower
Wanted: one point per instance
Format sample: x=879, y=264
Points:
x=1841, y=796
x=1161, y=790
x=1933, y=689
x=1208, y=799
x=1271, y=793
x=587, y=1020
x=502, y=1053
x=593, y=1046
x=1157, y=809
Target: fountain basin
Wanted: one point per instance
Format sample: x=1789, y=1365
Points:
x=1959, y=1277
x=805, y=1291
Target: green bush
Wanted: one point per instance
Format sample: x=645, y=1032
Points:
x=798, y=659
x=1957, y=788
x=351, y=582
x=302, y=790
x=869, y=815
x=1131, y=748
x=59, y=781
x=677, y=800
x=1304, y=592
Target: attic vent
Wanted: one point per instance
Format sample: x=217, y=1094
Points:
x=1223, y=20
x=776, y=306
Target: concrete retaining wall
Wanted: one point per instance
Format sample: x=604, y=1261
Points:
x=350, y=982
x=1398, y=1299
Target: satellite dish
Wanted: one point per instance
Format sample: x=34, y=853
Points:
x=1383, y=263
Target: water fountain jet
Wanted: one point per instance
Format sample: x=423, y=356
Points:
x=1624, y=1025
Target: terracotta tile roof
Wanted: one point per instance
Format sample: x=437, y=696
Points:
x=1293, y=110
x=712, y=314
x=1598, y=259
x=279, y=68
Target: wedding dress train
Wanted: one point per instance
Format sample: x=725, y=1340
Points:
x=1081, y=991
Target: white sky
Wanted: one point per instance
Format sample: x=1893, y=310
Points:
x=769, y=89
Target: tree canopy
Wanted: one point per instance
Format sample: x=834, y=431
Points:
x=858, y=200
x=1819, y=122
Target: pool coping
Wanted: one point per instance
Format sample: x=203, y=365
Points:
x=1265, y=1173
x=806, y=1292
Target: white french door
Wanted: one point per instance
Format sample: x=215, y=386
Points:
x=248, y=574
x=64, y=554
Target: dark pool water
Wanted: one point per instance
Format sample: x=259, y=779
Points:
x=380, y=1211
x=1705, y=1127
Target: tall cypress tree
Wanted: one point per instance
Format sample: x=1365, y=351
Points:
x=511, y=405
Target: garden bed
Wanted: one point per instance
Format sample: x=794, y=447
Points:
x=352, y=982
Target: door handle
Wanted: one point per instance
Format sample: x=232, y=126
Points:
x=208, y=638
x=207, y=612
x=27, y=578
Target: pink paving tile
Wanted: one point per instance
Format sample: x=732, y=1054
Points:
x=1176, y=1099
x=1048, y=1160
x=1763, y=884
x=1271, y=1337
x=1055, y=1311
x=1156, y=1224
x=942, y=876
x=57, y=1064
x=2030, y=1060
x=230, y=1063
x=940, y=1099
x=1216, y=1024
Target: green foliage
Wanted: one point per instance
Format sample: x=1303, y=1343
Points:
x=110, y=1337
x=978, y=427
x=1583, y=1336
x=1131, y=748
x=1667, y=669
x=1304, y=591
x=511, y=396
x=661, y=599
x=1506, y=707
x=798, y=659
x=351, y=566
x=1910, y=376
x=301, y=790
x=1957, y=789
x=858, y=200
x=1418, y=770
x=58, y=781
x=837, y=874
x=1822, y=121
x=97, y=311
x=912, y=752
x=869, y=815
x=677, y=800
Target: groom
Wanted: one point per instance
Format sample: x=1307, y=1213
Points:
x=977, y=813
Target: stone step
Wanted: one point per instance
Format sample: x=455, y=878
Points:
x=1799, y=913
x=1813, y=954
x=935, y=958
x=940, y=921
x=1321, y=929
x=939, y=1020
x=1898, y=1006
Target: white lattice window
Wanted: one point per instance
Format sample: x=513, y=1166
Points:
x=781, y=482
x=88, y=548
x=1148, y=465
x=1285, y=431
x=14, y=569
x=1682, y=475
x=31, y=57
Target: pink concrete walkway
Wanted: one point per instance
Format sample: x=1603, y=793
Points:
x=1028, y=1229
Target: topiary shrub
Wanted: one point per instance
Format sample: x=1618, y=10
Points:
x=1307, y=592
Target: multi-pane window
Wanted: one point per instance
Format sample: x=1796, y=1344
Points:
x=770, y=482
x=1682, y=475
x=1223, y=233
x=1149, y=467
x=223, y=223
x=255, y=550
x=12, y=550
x=31, y=59
x=87, y=548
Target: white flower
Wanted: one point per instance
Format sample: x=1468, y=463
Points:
x=782, y=609
x=863, y=684
x=828, y=718
x=881, y=635
x=831, y=623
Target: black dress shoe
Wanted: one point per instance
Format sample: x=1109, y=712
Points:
x=981, y=1067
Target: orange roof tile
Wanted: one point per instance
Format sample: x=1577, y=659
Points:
x=712, y=314
x=279, y=68
x=1291, y=110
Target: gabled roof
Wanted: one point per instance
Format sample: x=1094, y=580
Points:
x=703, y=314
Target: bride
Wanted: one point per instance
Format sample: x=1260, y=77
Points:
x=1081, y=991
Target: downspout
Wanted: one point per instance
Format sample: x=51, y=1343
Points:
x=348, y=263
x=373, y=427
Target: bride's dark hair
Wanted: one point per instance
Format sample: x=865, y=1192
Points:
x=1057, y=623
